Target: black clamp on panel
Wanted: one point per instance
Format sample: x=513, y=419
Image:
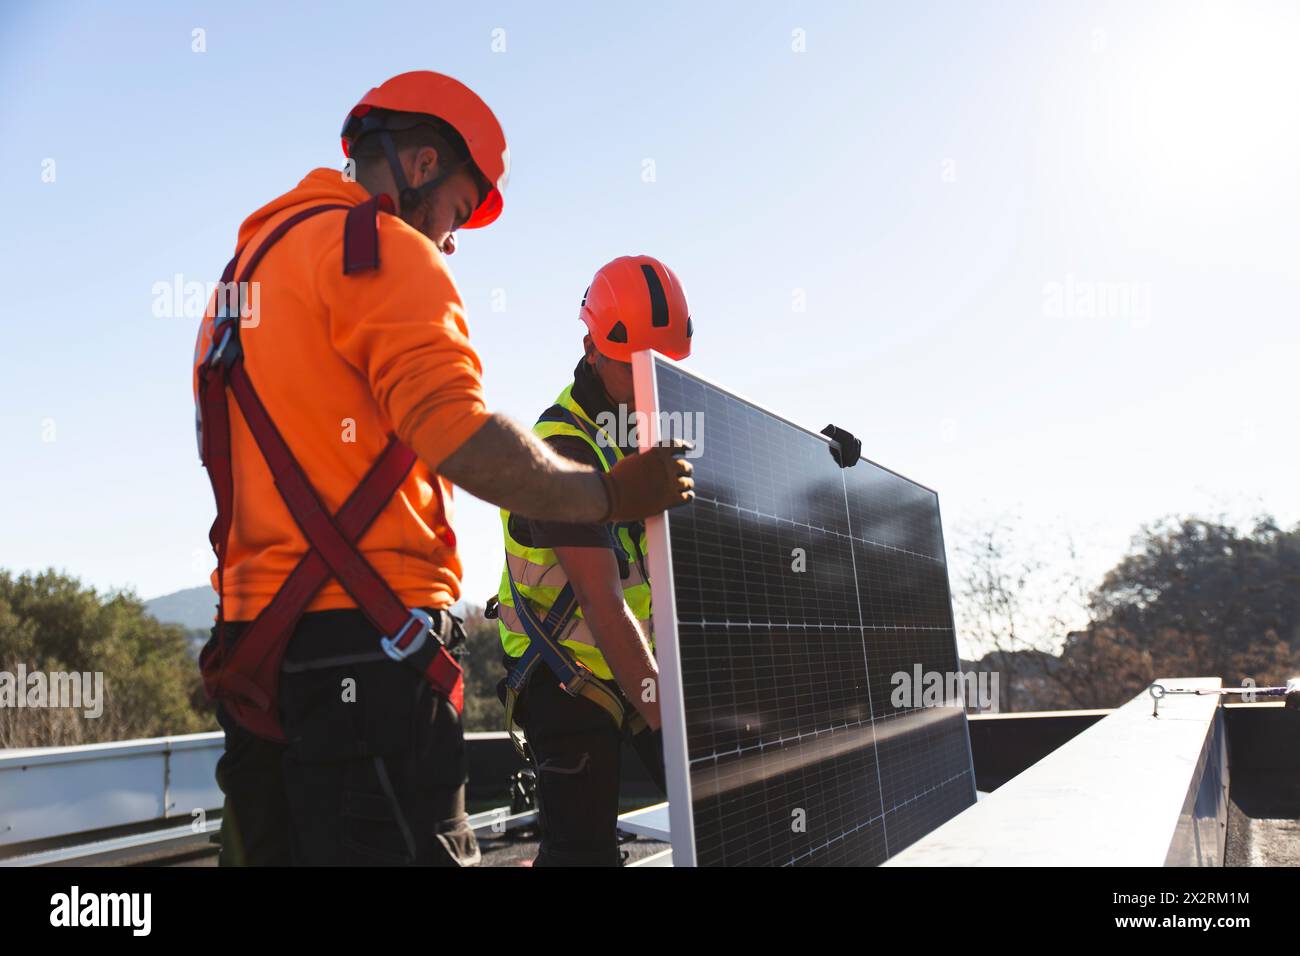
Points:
x=845, y=449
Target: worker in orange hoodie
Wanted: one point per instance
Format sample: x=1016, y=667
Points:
x=339, y=400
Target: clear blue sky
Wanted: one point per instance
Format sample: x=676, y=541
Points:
x=946, y=183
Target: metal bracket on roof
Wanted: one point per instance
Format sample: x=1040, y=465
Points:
x=1291, y=691
x=1157, y=691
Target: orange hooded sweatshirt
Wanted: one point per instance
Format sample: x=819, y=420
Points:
x=340, y=362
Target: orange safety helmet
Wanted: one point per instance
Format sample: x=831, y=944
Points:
x=634, y=303
x=452, y=102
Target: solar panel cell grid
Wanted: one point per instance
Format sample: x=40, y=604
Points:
x=800, y=589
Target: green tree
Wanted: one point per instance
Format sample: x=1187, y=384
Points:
x=51, y=623
x=482, y=664
x=1194, y=597
x=1233, y=596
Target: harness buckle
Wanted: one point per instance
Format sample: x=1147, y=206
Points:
x=573, y=687
x=224, y=347
x=394, y=646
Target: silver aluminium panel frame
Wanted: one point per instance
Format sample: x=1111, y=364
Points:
x=663, y=603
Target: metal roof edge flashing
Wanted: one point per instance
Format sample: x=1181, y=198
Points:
x=1134, y=789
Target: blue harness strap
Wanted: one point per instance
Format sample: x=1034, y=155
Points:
x=543, y=645
x=544, y=638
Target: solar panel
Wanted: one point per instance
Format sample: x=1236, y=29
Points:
x=786, y=597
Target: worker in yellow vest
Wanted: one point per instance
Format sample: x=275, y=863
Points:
x=574, y=601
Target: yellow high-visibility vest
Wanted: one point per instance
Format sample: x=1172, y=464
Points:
x=537, y=572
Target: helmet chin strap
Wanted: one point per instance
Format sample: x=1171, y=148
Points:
x=409, y=197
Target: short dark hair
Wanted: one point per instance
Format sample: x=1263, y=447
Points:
x=417, y=130
x=413, y=129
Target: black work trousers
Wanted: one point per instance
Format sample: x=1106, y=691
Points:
x=576, y=751
x=373, y=770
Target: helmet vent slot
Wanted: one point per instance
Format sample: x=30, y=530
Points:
x=658, y=301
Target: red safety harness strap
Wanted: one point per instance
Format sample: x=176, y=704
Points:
x=247, y=678
x=251, y=673
x=367, y=588
x=364, y=505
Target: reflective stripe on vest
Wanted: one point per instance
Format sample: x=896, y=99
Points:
x=537, y=572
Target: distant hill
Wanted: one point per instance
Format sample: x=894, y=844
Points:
x=193, y=608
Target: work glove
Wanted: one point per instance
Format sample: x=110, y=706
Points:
x=643, y=485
